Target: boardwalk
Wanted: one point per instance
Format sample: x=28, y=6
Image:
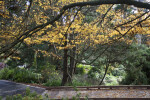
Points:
x=98, y=92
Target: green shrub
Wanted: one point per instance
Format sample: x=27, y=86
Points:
x=48, y=72
x=82, y=69
x=6, y=73
x=137, y=66
x=95, y=73
x=28, y=96
x=56, y=82
x=20, y=75
x=135, y=77
x=80, y=83
x=111, y=80
x=119, y=71
x=23, y=75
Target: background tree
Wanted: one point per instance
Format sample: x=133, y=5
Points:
x=71, y=30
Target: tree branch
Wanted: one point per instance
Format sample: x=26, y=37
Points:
x=131, y=20
x=79, y=4
x=100, y=2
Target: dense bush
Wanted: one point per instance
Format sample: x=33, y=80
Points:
x=95, y=73
x=77, y=82
x=20, y=75
x=56, y=82
x=82, y=69
x=111, y=80
x=118, y=71
x=135, y=77
x=6, y=73
x=45, y=74
x=49, y=73
x=137, y=66
x=80, y=83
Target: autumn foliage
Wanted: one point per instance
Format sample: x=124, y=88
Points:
x=73, y=29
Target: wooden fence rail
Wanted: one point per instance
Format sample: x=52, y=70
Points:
x=99, y=87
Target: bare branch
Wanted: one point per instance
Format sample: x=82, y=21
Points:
x=100, y=2
x=131, y=20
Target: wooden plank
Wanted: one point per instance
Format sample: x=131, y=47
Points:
x=100, y=87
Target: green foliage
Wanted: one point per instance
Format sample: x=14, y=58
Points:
x=35, y=60
x=77, y=97
x=20, y=75
x=6, y=73
x=28, y=96
x=27, y=91
x=23, y=75
x=95, y=73
x=135, y=77
x=79, y=80
x=111, y=80
x=26, y=55
x=137, y=66
x=46, y=74
x=114, y=75
x=56, y=82
x=49, y=74
x=118, y=71
x=82, y=69
x=79, y=83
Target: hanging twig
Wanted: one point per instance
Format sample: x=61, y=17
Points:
x=107, y=65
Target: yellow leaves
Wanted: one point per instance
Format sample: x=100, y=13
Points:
x=14, y=57
x=28, y=41
x=102, y=8
x=96, y=42
x=4, y=15
x=2, y=5
x=68, y=46
x=113, y=33
x=137, y=30
x=60, y=48
x=126, y=40
x=48, y=26
x=40, y=18
x=3, y=12
x=60, y=36
x=65, y=2
x=91, y=33
x=44, y=17
x=45, y=53
x=40, y=3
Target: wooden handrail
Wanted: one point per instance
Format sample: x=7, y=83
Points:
x=99, y=87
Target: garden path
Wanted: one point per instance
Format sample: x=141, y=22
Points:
x=8, y=88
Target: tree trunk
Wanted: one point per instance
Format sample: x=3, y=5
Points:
x=65, y=66
x=72, y=64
